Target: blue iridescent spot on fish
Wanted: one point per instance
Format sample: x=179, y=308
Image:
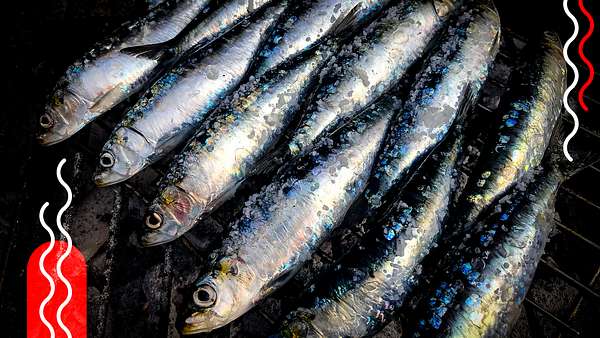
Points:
x=511, y=122
x=466, y=268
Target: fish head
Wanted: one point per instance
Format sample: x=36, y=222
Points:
x=221, y=297
x=65, y=114
x=124, y=155
x=171, y=215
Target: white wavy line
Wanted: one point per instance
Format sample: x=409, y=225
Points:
x=573, y=85
x=66, y=253
x=43, y=271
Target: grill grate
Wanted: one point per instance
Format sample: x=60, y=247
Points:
x=136, y=291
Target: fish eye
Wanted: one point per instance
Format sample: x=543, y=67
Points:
x=154, y=220
x=46, y=121
x=205, y=296
x=107, y=160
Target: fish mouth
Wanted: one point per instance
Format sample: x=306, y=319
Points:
x=105, y=179
x=49, y=139
x=190, y=329
x=198, y=322
x=156, y=238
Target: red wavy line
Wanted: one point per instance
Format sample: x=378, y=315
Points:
x=582, y=55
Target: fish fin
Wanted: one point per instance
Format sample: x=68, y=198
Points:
x=280, y=280
x=344, y=24
x=469, y=100
x=157, y=51
x=583, y=159
x=100, y=105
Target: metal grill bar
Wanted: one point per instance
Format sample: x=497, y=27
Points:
x=575, y=194
x=576, y=234
x=574, y=282
x=566, y=327
x=580, y=300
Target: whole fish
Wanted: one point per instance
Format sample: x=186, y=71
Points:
x=373, y=281
x=229, y=146
x=285, y=222
x=309, y=22
x=175, y=105
x=119, y=68
x=448, y=86
x=523, y=131
x=370, y=65
x=482, y=281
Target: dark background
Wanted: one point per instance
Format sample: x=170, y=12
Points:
x=136, y=291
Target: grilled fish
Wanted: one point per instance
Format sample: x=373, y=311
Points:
x=371, y=65
x=448, y=86
x=373, y=281
x=523, y=131
x=229, y=146
x=119, y=68
x=482, y=281
x=309, y=22
x=285, y=222
x=176, y=104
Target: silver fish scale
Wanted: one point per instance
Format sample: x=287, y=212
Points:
x=224, y=17
x=106, y=77
x=314, y=21
x=160, y=31
x=523, y=132
x=448, y=85
x=285, y=222
x=180, y=100
x=368, y=67
x=230, y=145
x=367, y=294
x=489, y=306
x=312, y=206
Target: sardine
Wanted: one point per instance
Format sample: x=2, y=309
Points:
x=374, y=280
x=447, y=87
x=309, y=22
x=176, y=104
x=371, y=65
x=119, y=68
x=523, y=131
x=229, y=146
x=286, y=221
x=482, y=281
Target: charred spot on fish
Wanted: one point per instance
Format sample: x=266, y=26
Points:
x=46, y=121
x=107, y=160
x=205, y=296
x=154, y=220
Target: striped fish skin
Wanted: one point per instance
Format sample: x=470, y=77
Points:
x=373, y=282
x=176, y=104
x=229, y=146
x=105, y=76
x=223, y=16
x=286, y=221
x=523, y=132
x=484, y=280
x=309, y=22
x=447, y=87
x=96, y=84
x=370, y=65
